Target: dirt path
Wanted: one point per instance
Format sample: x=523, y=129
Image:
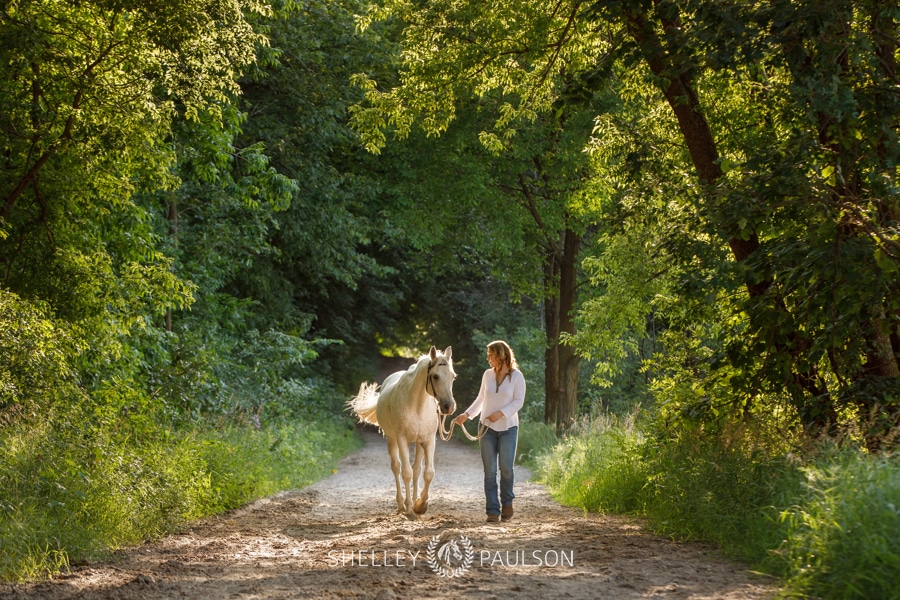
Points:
x=341, y=538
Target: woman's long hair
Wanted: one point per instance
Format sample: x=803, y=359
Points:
x=502, y=350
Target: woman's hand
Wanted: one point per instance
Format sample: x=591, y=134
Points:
x=494, y=416
x=461, y=418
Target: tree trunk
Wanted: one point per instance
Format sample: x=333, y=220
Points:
x=569, y=374
x=551, y=330
x=679, y=92
x=568, y=359
x=678, y=89
x=883, y=30
x=881, y=360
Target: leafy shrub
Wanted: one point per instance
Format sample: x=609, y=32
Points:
x=828, y=524
x=35, y=353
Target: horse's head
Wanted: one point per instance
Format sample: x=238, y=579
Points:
x=449, y=550
x=440, y=380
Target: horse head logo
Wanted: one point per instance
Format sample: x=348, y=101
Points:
x=448, y=552
x=452, y=558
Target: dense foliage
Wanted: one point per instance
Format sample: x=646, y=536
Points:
x=217, y=217
x=742, y=187
x=825, y=523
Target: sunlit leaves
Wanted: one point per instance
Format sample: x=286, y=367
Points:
x=629, y=277
x=86, y=104
x=103, y=104
x=36, y=353
x=455, y=49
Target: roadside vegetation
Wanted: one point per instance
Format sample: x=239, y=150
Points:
x=72, y=493
x=218, y=217
x=825, y=522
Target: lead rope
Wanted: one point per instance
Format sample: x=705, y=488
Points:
x=446, y=435
x=442, y=419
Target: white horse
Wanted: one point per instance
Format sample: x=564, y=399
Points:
x=406, y=411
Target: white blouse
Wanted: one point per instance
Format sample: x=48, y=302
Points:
x=508, y=398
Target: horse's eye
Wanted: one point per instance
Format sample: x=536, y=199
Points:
x=435, y=377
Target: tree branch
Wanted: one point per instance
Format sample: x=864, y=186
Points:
x=63, y=138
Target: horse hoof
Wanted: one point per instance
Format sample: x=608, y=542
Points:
x=420, y=507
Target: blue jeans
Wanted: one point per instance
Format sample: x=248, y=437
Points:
x=498, y=447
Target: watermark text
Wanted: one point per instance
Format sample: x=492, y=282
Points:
x=522, y=558
x=372, y=558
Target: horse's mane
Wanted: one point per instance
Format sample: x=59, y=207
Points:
x=423, y=360
x=421, y=363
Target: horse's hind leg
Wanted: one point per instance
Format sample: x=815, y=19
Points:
x=428, y=459
x=394, y=451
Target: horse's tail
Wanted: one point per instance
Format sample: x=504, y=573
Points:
x=364, y=404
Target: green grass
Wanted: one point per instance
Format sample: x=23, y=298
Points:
x=829, y=526
x=70, y=496
x=596, y=467
x=535, y=439
x=842, y=536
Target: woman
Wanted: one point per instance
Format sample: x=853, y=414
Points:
x=501, y=396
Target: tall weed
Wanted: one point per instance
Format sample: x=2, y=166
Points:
x=67, y=497
x=535, y=439
x=596, y=467
x=842, y=536
x=699, y=488
x=829, y=524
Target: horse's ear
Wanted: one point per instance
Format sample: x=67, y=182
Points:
x=433, y=353
x=448, y=352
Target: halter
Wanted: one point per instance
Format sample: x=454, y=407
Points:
x=427, y=381
x=442, y=419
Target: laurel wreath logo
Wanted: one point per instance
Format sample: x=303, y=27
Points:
x=441, y=559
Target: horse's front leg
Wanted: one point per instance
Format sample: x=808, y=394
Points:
x=421, y=504
x=396, y=465
x=406, y=472
x=417, y=464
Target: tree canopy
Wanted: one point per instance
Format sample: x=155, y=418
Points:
x=698, y=198
x=754, y=147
